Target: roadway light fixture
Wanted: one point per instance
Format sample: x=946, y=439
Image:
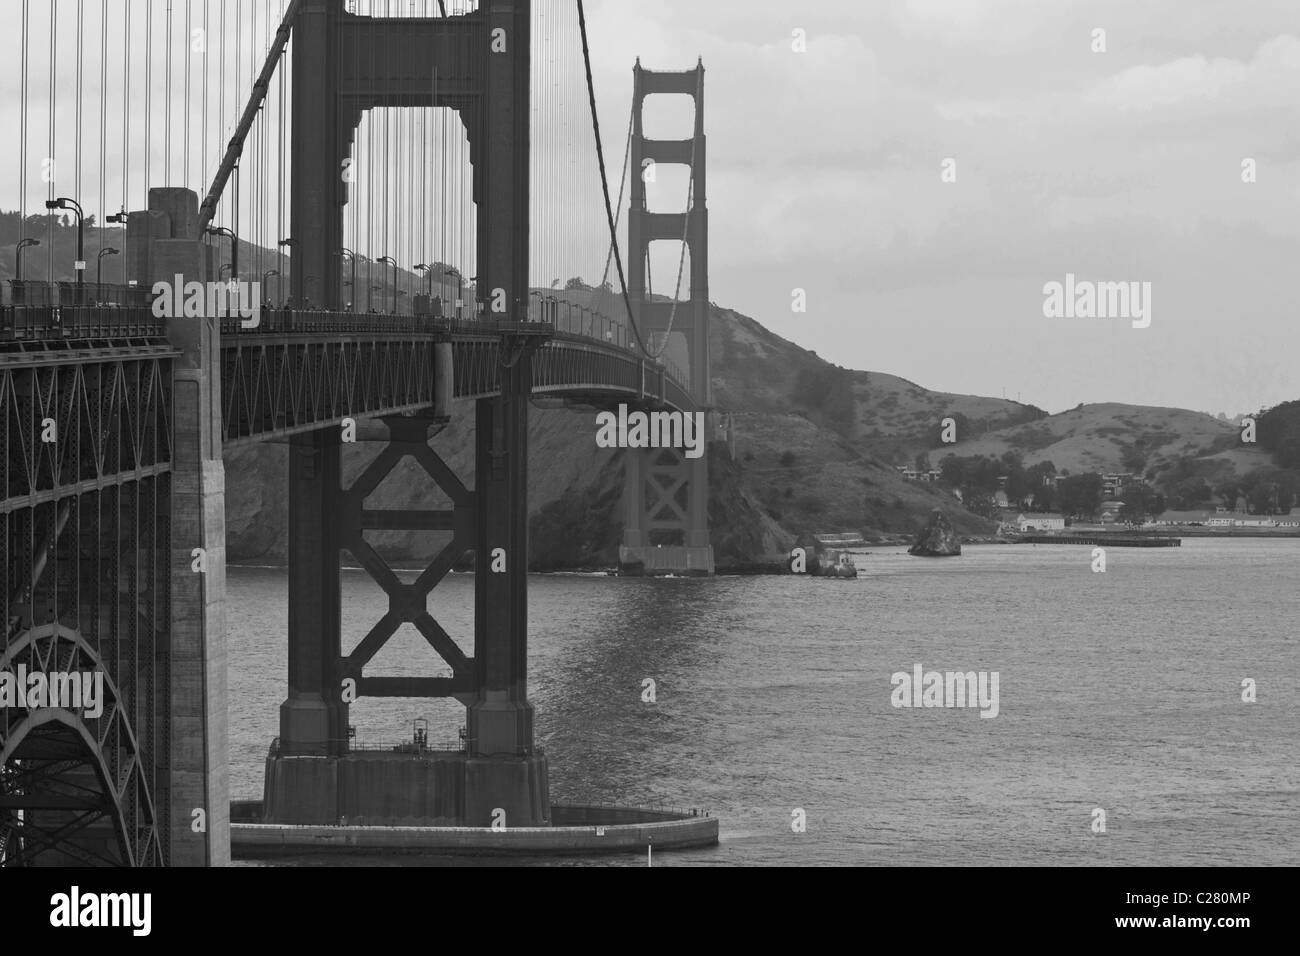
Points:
x=99, y=264
x=18, y=256
x=390, y=259
x=459, y=285
x=234, y=248
x=351, y=257
x=428, y=271
x=63, y=202
x=266, y=275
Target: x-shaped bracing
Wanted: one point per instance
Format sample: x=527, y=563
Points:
x=408, y=603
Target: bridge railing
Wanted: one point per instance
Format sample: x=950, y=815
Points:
x=84, y=322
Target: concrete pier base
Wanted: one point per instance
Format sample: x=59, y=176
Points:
x=385, y=788
x=648, y=561
x=575, y=829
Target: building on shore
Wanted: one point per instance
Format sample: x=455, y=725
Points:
x=1043, y=522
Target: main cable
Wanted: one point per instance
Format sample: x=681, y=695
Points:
x=604, y=181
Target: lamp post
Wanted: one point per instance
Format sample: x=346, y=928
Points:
x=390, y=259
x=266, y=275
x=428, y=271
x=457, y=301
x=234, y=248
x=99, y=265
x=291, y=244
x=18, y=256
x=351, y=257
x=65, y=203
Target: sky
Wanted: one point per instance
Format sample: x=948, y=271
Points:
x=1125, y=165
x=914, y=172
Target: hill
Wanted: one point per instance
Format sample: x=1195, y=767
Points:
x=1111, y=437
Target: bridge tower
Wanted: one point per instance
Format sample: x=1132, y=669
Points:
x=477, y=64
x=666, y=495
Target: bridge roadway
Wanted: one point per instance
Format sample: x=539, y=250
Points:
x=298, y=371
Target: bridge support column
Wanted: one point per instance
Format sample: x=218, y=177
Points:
x=500, y=720
x=313, y=720
x=199, y=762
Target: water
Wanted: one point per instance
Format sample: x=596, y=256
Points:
x=1119, y=690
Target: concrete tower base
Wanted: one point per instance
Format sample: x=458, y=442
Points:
x=387, y=788
x=652, y=561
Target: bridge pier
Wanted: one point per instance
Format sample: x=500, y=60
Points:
x=198, y=778
x=313, y=719
x=313, y=777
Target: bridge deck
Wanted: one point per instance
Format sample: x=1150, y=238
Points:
x=297, y=371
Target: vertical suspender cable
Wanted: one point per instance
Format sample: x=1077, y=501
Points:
x=22, y=135
x=103, y=116
x=53, y=112
x=167, y=85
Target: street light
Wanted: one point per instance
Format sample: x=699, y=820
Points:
x=65, y=203
x=266, y=275
x=456, y=272
x=394, y=264
x=18, y=256
x=427, y=269
x=234, y=248
x=351, y=257
x=99, y=265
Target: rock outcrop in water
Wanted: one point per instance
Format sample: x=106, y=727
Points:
x=937, y=539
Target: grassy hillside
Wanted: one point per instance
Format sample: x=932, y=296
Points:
x=882, y=416
x=1111, y=437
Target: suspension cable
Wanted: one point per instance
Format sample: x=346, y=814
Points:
x=604, y=181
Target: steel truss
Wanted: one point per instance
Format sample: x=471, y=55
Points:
x=85, y=521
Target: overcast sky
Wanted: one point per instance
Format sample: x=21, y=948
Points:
x=825, y=176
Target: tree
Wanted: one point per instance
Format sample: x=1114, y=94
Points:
x=1079, y=496
x=1228, y=492
x=576, y=283
x=922, y=463
x=980, y=502
x=1141, y=502
x=1190, y=493
x=953, y=470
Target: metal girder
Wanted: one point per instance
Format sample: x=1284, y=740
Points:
x=65, y=770
x=68, y=428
